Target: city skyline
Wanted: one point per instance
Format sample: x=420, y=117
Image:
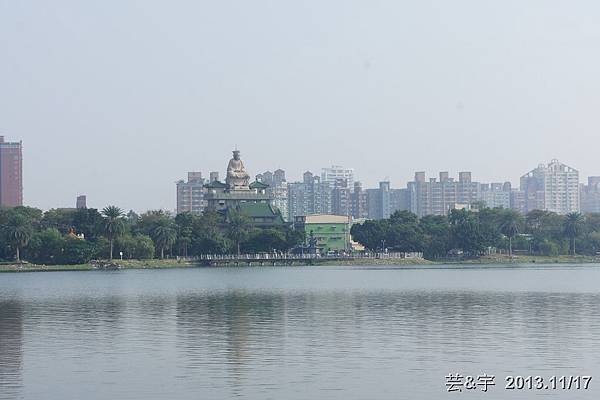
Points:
x=115, y=98
x=196, y=179
x=554, y=187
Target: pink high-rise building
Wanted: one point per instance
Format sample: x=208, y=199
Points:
x=11, y=173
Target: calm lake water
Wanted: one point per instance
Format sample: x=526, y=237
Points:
x=296, y=333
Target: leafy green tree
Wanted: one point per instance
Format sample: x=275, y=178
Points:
x=77, y=251
x=464, y=231
x=370, y=234
x=403, y=232
x=18, y=232
x=27, y=219
x=101, y=247
x=573, y=225
x=114, y=225
x=89, y=222
x=46, y=247
x=544, y=226
x=592, y=222
x=147, y=222
x=32, y=215
x=126, y=243
x=549, y=248
x=238, y=228
x=144, y=247
x=436, y=236
x=510, y=224
x=490, y=223
x=61, y=219
x=164, y=235
x=185, y=227
x=208, y=234
x=294, y=238
x=265, y=240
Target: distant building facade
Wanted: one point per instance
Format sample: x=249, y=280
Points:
x=359, y=208
x=552, y=187
x=311, y=196
x=190, y=194
x=335, y=172
x=438, y=197
x=378, y=201
x=11, y=173
x=590, y=195
x=384, y=201
x=81, y=202
x=341, y=201
x=278, y=189
x=435, y=197
x=517, y=201
x=496, y=195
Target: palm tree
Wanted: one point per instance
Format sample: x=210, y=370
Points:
x=114, y=225
x=164, y=235
x=184, y=240
x=573, y=225
x=510, y=224
x=238, y=228
x=19, y=233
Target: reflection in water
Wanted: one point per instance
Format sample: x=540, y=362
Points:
x=177, y=338
x=234, y=327
x=11, y=341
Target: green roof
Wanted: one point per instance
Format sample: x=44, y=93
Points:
x=258, y=185
x=262, y=211
x=215, y=185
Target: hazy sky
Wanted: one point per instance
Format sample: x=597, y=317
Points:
x=119, y=99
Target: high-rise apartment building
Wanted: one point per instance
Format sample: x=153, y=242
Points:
x=399, y=200
x=590, y=195
x=517, y=201
x=277, y=190
x=335, y=172
x=190, y=194
x=439, y=197
x=279, y=176
x=311, y=196
x=384, y=201
x=81, y=202
x=11, y=173
x=467, y=191
x=359, y=202
x=552, y=187
x=496, y=195
x=341, y=202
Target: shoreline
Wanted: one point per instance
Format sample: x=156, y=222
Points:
x=170, y=263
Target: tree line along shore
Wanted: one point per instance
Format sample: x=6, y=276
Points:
x=67, y=239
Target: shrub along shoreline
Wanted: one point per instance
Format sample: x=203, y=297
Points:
x=68, y=239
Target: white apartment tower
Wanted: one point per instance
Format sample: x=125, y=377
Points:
x=552, y=187
x=331, y=175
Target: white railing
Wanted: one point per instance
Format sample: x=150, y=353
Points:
x=291, y=257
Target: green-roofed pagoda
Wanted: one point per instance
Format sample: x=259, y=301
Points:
x=262, y=214
x=237, y=193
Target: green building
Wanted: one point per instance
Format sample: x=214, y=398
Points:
x=331, y=232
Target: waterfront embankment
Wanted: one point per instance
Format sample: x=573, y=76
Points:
x=173, y=263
